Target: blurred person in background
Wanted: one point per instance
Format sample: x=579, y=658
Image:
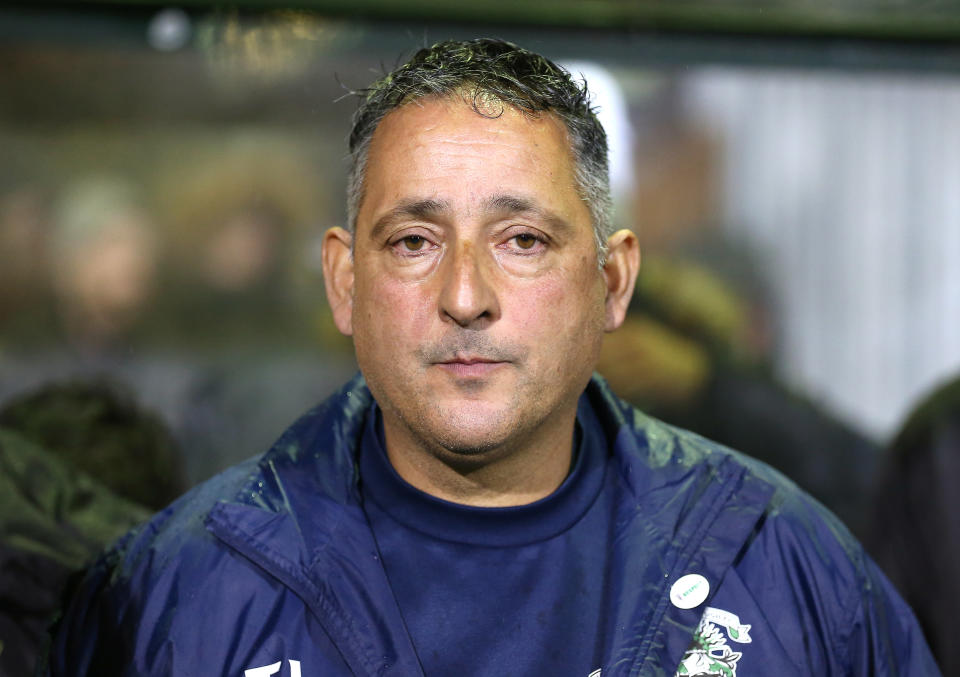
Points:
x=699, y=345
x=80, y=464
x=103, y=260
x=694, y=352
x=915, y=534
x=97, y=427
x=238, y=224
x=243, y=293
x=476, y=502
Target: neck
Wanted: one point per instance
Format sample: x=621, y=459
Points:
x=515, y=473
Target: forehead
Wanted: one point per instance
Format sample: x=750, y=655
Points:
x=460, y=119
x=435, y=146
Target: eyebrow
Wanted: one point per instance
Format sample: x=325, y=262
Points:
x=506, y=204
x=424, y=210
x=502, y=205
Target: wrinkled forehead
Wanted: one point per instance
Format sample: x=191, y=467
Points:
x=425, y=122
x=431, y=149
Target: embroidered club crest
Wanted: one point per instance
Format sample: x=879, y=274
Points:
x=710, y=654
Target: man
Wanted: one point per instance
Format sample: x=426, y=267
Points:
x=476, y=503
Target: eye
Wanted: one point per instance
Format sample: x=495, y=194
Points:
x=413, y=243
x=525, y=241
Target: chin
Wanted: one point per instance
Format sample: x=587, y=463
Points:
x=468, y=431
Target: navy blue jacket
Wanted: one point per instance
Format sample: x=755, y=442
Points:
x=271, y=569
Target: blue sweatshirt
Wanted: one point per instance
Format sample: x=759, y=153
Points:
x=513, y=591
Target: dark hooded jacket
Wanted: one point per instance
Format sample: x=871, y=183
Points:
x=271, y=569
x=54, y=522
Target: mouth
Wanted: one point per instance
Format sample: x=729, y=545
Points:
x=469, y=366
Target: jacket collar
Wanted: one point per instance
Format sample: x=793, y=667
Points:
x=300, y=518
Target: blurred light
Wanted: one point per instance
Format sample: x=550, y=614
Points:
x=169, y=30
x=281, y=44
x=607, y=96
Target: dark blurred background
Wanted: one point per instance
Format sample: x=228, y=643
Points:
x=792, y=170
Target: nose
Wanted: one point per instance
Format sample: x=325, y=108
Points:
x=468, y=296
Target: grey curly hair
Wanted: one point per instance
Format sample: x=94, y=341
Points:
x=486, y=70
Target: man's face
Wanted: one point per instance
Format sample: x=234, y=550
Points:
x=478, y=305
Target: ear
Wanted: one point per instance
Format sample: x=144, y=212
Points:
x=620, y=274
x=338, y=277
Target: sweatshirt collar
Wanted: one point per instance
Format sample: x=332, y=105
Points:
x=494, y=527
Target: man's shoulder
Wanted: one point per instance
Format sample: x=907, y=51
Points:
x=639, y=439
x=785, y=547
x=182, y=521
x=789, y=512
x=214, y=535
x=654, y=453
x=319, y=444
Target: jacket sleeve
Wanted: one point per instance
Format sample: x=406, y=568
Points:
x=90, y=638
x=823, y=598
x=885, y=638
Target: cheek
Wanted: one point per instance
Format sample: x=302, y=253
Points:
x=562, y=312
x=385, y=309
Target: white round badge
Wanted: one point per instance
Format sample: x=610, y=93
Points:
x=689, y=591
